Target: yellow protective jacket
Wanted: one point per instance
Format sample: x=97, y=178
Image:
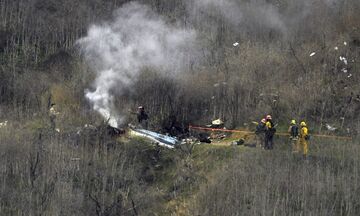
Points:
x=304, y=132
x=268, y=125
x=303, y=141
x=269, y=129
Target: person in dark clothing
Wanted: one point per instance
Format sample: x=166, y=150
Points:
x=142, y=117
x=260, y=133
x=294, y=135
x=269, y=133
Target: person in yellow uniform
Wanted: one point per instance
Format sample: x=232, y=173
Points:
x=304, y=138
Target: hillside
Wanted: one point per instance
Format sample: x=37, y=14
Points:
x=75, y=75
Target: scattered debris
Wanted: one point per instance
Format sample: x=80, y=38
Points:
x=350, y=75
x=3, y=124
x=213, y=97
x=344, y=70
x=348, y=130
x=171, y=126
x=88, y=129
x=188, y=141
x=216, y=85
x=357, y=98
x=344, y=60
x=217, y=136
x=330, y=128
x=53, y=110
x=336, y=48
x=204, y=138
x=160, y=139
x=312, y=54
x=57, y=130
x=113, y=131
x=238, y=142
x=90, y=126
x=217, y=122
x=236, y=44
x=345, y=43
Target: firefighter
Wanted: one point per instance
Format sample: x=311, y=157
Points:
x=294, y=135
x=304, y=138
x=260, y=133
x=269, y=133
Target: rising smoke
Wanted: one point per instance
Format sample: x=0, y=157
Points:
x=240, y=14
x=140, y=38
x=119, y=50
x=259, y=16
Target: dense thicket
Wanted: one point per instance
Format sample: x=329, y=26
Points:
x=270, y=71
x=282, y=184
x=86, y=173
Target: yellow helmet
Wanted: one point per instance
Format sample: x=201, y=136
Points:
x=303, y=124
x=293, y=122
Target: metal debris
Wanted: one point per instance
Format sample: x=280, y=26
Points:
x=90, y=126
x=160, y=139
x=217, y=122
x=343, y=59
x=312, y=54
x=236, y=44
x=3, y=124
x=330, y=128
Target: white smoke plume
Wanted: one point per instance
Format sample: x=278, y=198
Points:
x=119, y=50
x=228, y=9
x=240, y=13
x=260, y=15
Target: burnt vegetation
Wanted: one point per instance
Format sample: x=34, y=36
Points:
x=88, y=171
